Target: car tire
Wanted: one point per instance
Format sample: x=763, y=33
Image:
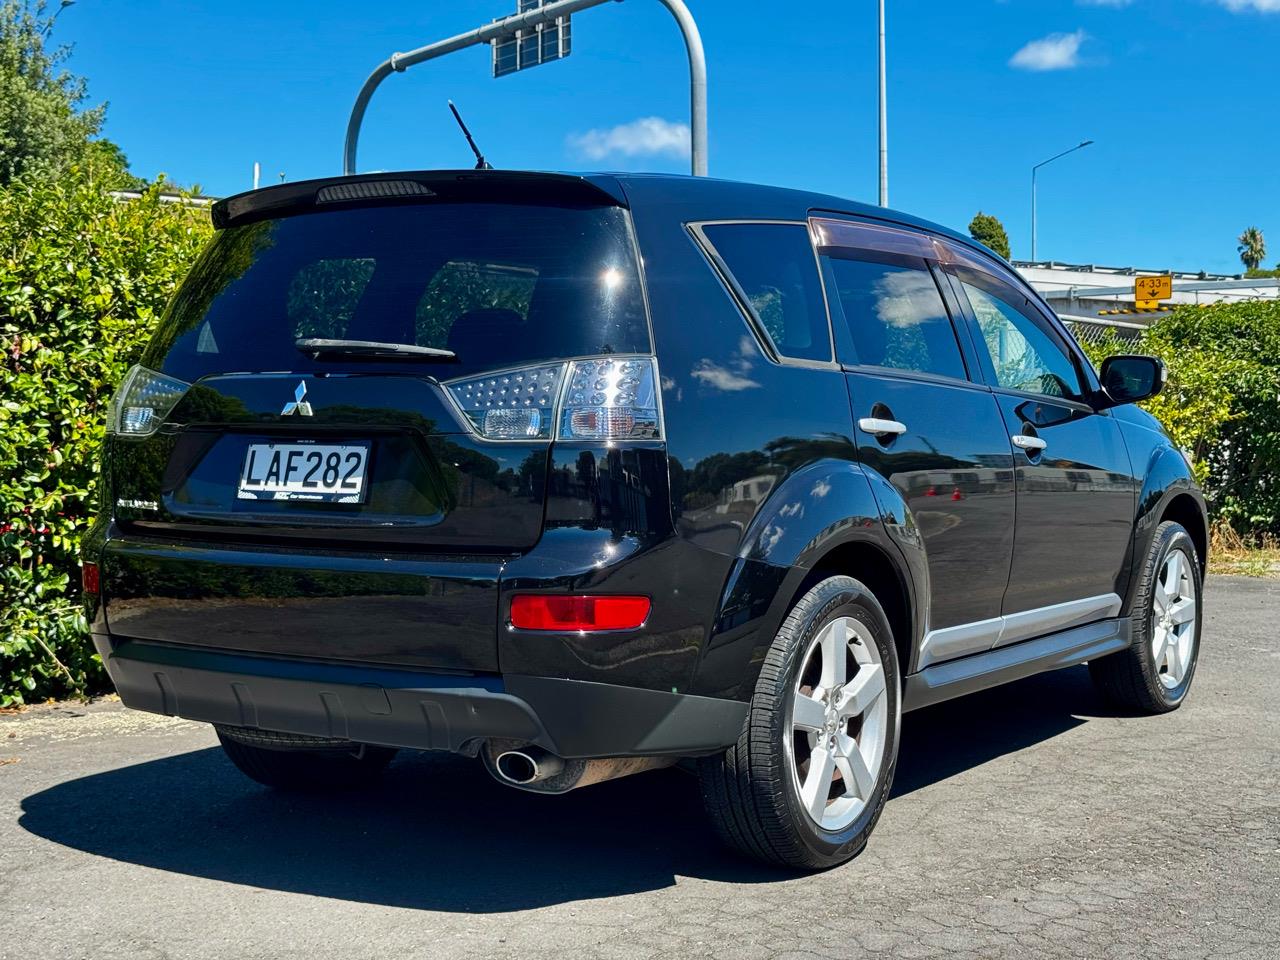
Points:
x=308, y=764
x=766, y=795
x=1154, y=673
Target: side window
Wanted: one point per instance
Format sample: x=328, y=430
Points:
x=1024, y=356
x=896, y=316
x=774, y=265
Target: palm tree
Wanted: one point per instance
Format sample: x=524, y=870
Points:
x=1252, y=248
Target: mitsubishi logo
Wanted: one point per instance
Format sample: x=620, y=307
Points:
x=299, y=404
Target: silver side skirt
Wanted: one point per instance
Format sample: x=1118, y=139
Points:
x=1064, y=649
x=970, y=638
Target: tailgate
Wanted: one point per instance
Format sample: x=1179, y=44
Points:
x=419, y=480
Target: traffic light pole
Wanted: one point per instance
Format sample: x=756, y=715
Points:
x=507, y=27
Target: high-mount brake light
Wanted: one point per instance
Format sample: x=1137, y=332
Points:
x=578, y=613
x=604, y=398
x=143, y=402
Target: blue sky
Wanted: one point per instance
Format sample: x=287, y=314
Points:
x=1179, y=95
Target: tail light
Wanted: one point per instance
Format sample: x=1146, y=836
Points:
x=565, y=614
x=512, y=404
x=611, y=399
x=143, y=402
x=89, y=578
x=605, y=398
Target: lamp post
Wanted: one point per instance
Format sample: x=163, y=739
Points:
x=57, y=13
x=884, y=128
x=1034, y=170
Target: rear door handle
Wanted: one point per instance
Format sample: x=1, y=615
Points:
x=881, y=428
x=1031, y=444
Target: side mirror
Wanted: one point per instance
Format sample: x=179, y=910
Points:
x=1129, y=378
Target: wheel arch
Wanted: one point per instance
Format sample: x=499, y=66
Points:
x=875, y=568
x=1184, y=509
x=1169, y=492
x=821, y=521
x=850, y=530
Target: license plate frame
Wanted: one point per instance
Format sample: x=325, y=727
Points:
x=299, y=478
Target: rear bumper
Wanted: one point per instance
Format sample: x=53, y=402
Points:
x=403, y=708
x=285, y=601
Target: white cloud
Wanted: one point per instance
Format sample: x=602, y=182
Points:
x=1058, y=51
x=1259, y=6
x=647, y=136
x=713, y=375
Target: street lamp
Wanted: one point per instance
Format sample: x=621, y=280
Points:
x=1034, y=170
x=57, y=13
x=884, y=129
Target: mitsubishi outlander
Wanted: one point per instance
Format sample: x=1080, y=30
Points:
x=587, y=475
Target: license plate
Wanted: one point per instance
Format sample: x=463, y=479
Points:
x=322, y=472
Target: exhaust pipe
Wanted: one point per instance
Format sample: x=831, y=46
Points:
x=531, y=768
x=528, y=765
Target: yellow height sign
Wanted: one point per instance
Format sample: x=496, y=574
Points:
x=1149, y=291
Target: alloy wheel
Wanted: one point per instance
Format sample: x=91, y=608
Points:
x=839, y=723
x=1173, y=619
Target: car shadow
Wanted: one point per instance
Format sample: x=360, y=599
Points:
x=941, y=741
x=437, y=833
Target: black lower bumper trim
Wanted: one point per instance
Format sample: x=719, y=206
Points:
x=396, y=708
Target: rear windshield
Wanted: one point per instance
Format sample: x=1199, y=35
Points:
x=499, y=285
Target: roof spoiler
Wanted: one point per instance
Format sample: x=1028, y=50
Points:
x=446, y=186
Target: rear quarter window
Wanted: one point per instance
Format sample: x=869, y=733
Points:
x=774, y=266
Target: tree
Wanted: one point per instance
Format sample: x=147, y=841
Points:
x=1252, y=248
x=989, y=230
x=44, y=128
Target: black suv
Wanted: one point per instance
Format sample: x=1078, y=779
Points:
x=585, y=475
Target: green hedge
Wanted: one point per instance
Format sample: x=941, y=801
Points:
x=82, y=278
x=1222, y=404
x=1225, y=397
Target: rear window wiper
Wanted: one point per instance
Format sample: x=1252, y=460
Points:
x=371, y=350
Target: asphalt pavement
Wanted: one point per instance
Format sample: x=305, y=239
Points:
x=1029, y=821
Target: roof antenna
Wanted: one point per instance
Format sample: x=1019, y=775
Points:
x=481, y=162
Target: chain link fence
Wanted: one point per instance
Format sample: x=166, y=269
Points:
x=1092, y=332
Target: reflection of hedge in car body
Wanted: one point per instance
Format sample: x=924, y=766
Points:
x=188, y=581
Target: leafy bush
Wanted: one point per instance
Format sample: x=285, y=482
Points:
x=1228, y=362
x=82, y=278
x=1222, y=404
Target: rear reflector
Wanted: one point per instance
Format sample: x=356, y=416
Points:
x=543, y=612
x=89, y=578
